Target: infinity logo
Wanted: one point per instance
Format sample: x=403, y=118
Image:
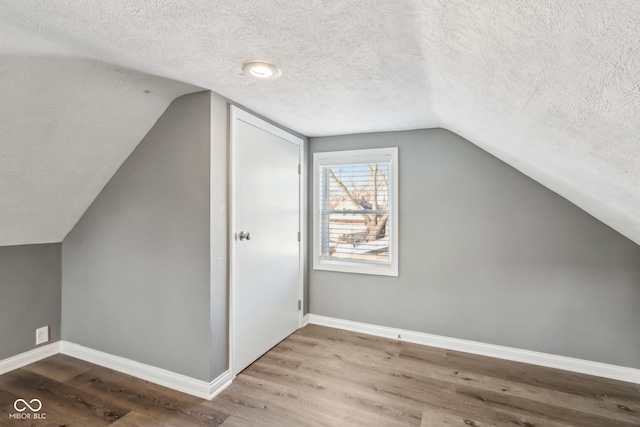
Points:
x=26, y=405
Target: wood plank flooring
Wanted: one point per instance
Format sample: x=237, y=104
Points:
x=328, y=377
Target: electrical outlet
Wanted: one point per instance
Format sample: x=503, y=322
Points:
x=42, y=335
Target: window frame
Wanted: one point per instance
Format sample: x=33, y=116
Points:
x=363, y=156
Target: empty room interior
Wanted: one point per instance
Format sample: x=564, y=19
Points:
x=323, y=213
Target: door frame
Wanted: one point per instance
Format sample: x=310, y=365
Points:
x=236, y=114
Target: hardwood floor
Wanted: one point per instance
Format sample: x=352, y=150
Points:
x=327, y=377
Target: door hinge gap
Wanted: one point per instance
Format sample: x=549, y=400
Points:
x=298, y=236
x=299, y=305
x=299, y=169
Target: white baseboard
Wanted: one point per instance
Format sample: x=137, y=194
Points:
x=305, y=320
x=219, y=384
x=517, y=355
x=163, y=377
x=28, y=357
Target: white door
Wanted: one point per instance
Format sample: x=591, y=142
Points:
x=265, y=268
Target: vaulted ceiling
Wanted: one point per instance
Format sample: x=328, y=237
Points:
x=551, y=87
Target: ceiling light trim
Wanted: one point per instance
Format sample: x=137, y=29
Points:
x=261, y=70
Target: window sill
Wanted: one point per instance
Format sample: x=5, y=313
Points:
x=356, y=268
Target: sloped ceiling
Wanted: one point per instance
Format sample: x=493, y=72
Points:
x=551, y=87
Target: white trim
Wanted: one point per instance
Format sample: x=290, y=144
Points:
x=175, y=381
x=29, y=357
x=244, y=116
x=357, y=156
x=247, y=117
x=233, y=110
x=304, y=167
x=605, y=370
x=219, y=384
x=305, y=320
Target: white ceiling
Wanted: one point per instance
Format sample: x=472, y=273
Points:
x=552, y=87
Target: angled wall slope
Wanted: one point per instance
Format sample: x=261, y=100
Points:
x=489, y=255
x=136, y=267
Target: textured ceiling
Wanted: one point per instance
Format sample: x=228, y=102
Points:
x=552, y=87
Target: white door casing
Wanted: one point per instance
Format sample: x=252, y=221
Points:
x=266, y=269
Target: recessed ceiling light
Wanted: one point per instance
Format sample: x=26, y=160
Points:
x=262, y=70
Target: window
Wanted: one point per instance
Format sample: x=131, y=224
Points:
x=355, y=215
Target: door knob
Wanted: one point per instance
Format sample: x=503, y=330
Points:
x=244, y=236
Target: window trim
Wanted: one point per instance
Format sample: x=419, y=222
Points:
x=347, y=157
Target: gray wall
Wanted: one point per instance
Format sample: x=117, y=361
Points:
x=489, y=255
x=136, y=267
x=29, y=296
x=219, y=235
